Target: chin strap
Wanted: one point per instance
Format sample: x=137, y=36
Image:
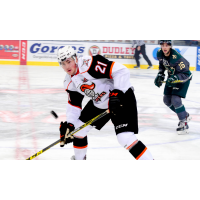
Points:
x=74, y=58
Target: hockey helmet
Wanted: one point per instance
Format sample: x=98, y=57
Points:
x=65, y=53
x=169, y=42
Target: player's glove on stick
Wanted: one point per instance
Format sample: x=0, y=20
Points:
x=63, y=136
x=171, y=79
x=116, y=99
x=159, y=78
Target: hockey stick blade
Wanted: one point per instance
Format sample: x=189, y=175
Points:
x=180, y=81
x=70, y=134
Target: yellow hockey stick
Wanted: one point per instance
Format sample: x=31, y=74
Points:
x=180, y=81
x=71, y=133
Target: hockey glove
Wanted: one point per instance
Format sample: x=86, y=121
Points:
x=159, y=78
x=63, y=136
x=116, y=99
x=171, y=79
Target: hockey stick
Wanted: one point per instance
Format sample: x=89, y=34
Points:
x=71, y=133
x=180, y=81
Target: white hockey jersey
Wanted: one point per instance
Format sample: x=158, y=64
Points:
x=96, y=76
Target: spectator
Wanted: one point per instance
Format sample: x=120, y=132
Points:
x=191, y=42
x=140, y=48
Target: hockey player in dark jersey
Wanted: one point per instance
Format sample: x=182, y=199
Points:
x=107, y=85
x=178, y=69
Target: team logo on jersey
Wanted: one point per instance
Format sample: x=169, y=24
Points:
x=86, y=62
x=174, y=56
x=94, y=50
x=88, y=90
x=100, y=96
x=181, y=64
x=87, y=87
x=165, y=62
x=170, y=70
x=85, y=80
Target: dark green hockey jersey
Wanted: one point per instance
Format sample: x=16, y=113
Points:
x=175, y=64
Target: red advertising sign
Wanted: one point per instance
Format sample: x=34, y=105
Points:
x=9, y=49
x=23, y=52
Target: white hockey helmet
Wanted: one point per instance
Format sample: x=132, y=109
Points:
x=65, y=53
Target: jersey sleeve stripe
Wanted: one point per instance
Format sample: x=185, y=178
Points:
x=74, y=105
x=111, y=70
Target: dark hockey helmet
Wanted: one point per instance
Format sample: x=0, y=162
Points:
x=169, y=42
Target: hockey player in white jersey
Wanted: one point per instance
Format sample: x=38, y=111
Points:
x=108, y=85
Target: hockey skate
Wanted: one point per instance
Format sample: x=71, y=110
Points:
x=73, y=158
x=183, y=128
x=188, y=119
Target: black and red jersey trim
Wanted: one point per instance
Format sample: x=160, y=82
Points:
x=75, y=98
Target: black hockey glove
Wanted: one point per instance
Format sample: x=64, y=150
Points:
x=116, y=99
x=159, y=78
x=63, y=128
x=171, y=79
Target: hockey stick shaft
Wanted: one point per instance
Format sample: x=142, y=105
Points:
x=180, y=81
x=70, y=134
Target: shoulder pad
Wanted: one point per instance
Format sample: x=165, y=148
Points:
x=84, y=63
x=159, y=53
x=175, y=56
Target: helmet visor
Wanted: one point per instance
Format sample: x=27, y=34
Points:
x=166, y=41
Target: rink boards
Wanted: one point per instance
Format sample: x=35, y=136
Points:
x=44, y=53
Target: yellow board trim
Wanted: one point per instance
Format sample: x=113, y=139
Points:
x=192, y=68
x=55, y=64
x=8, y=62
x=35, y=63
x=131, y=66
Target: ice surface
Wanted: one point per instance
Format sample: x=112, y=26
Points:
x=29, y=93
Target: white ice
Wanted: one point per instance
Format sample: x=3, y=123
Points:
x=29, y=93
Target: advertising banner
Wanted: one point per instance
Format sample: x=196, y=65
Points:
x=45, y=52
x=23, y=52
x=198, y=58
x=124, y=53
x=118, y=52
x=9, y=49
